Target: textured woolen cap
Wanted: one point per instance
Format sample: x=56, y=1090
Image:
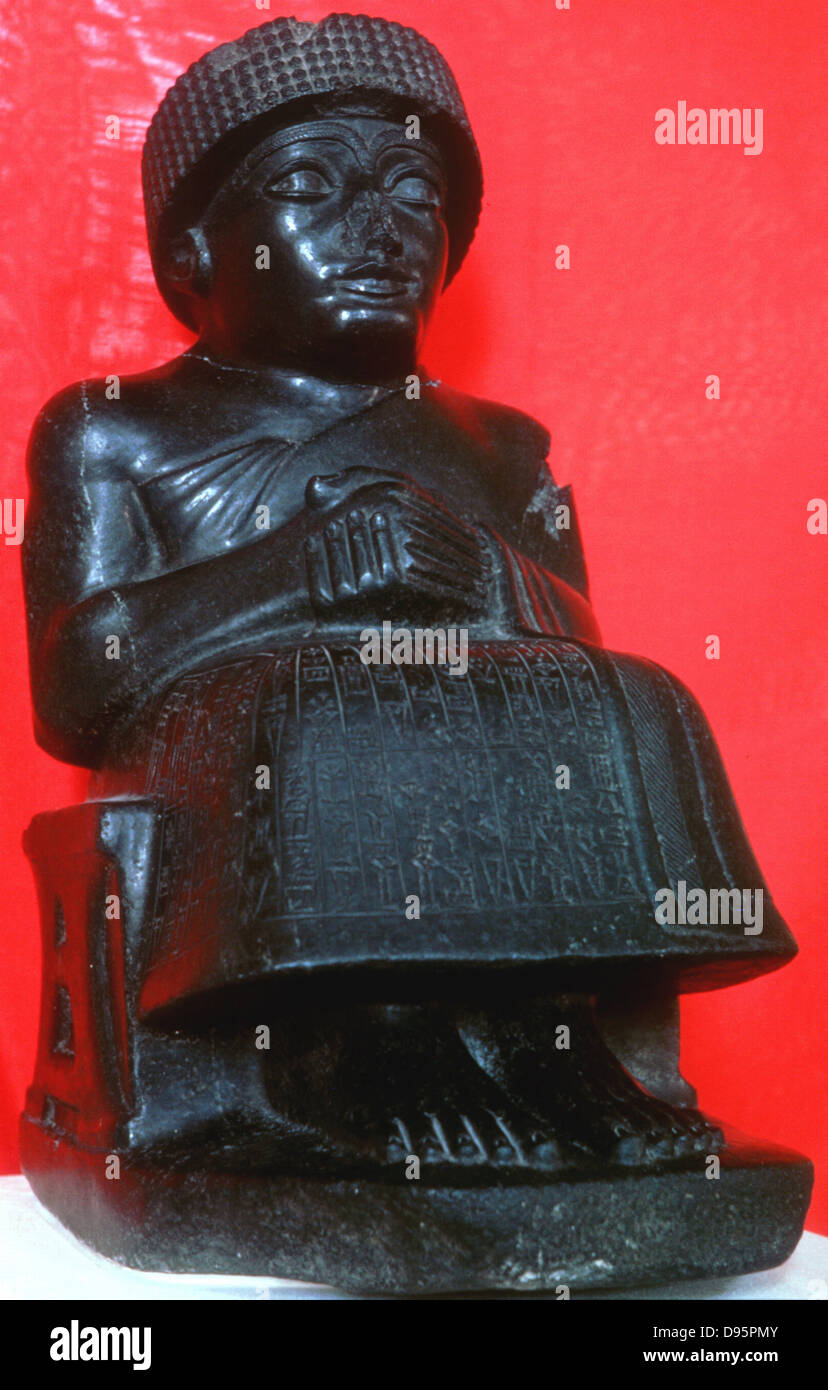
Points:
x=234, y=95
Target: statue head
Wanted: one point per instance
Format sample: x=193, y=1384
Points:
x=310, y=189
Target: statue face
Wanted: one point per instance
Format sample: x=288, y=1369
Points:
x=351, y=214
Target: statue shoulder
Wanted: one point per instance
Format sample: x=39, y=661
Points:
x=102, y=429
x=81, y=433
x=505, y=430
x=516, y=432
x=537, y=515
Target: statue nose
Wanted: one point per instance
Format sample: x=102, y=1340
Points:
x=370, y=225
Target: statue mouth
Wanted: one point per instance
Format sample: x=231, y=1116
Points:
x=376, y=281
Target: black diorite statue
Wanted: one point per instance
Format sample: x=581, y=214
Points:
x=354, y=970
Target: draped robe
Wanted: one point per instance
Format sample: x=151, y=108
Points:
x=321, y=815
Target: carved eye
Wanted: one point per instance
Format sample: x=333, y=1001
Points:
x=306, y=182
x=414, y=188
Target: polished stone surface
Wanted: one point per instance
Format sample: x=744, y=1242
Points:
x=332, y=912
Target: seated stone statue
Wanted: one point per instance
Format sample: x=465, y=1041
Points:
x=353, y=924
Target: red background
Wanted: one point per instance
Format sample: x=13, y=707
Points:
x=685, y=262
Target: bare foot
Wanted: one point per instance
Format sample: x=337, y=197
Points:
x=394, y=1083
x=581, y=1092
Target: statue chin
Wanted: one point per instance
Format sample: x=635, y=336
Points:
x=355, y=962
x=368, y=345
x=364, y=344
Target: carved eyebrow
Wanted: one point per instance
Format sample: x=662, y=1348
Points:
x=414, y=153
x=309, y=131
x=394, y=139
x=338, y=133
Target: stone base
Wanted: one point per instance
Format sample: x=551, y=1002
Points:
x=616, y=1228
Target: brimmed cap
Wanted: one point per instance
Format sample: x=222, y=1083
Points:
x=233, y=95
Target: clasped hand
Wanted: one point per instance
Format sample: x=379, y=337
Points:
x=380, y=536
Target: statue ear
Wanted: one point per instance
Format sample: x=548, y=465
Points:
x=188, y=264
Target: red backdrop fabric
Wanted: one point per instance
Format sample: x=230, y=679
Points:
x=686, y=261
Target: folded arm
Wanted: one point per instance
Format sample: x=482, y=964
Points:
x=94, y=571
